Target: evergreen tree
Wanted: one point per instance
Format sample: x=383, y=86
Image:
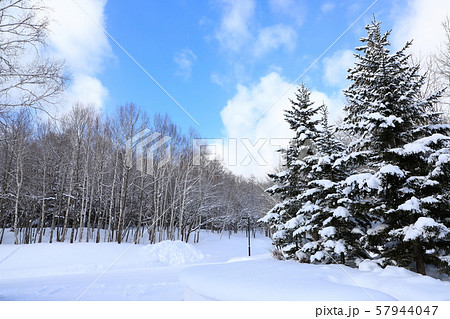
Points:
x=331, y=233
x=311, y=224
x=392, y=189
x=291, y=182
x=387, y=192
x=417, y=231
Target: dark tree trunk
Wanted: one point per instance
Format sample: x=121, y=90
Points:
x=420, y=263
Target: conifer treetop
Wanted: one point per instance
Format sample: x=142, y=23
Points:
x=383, y=101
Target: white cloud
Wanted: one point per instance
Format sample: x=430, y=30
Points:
x=219, y=79
x=420, y=20
x=75, y=38
x=327, y=7
x=185, y=59
x=249, y=103
x=336, y=67
x=240, y=33
x=270, y=132
x=239, y=116
x=273, y=37
x=293, y=9
x=234, y=28
x=86, y=89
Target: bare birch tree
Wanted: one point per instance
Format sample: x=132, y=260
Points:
x=27, y=79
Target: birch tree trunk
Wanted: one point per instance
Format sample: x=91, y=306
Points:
x=19, y=180
x=41, y=226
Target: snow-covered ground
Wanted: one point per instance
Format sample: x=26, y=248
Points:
x=213, y=269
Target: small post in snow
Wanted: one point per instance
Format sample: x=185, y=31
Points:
x=248, y=233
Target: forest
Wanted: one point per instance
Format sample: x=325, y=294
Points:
x=71, y=178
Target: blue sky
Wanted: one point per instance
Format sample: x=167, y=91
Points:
x=185, y=46
x=225, y=61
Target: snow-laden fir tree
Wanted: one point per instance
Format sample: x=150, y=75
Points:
x=396, y=188
x=291, y=182
x=311, y=224
x=418, y=229
x=330, y=233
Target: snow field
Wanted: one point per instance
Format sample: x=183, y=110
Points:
x=268, y=279
x=216, y=268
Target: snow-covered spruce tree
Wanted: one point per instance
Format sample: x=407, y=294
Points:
x=417, y=232
x=311, y=224
x=330, y=233
x=393, y=189
x=291, y=182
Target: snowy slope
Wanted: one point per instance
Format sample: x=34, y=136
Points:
x=267, y=279
x=213, y=269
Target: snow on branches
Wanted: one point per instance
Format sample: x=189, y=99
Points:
x=384, y=195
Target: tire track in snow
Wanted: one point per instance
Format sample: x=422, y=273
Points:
x=10, y=254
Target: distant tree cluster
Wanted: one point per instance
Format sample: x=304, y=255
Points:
x=72, y=179
x=384, y=194
x=80, y=177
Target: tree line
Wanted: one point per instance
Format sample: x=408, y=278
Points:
x=72, y=179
